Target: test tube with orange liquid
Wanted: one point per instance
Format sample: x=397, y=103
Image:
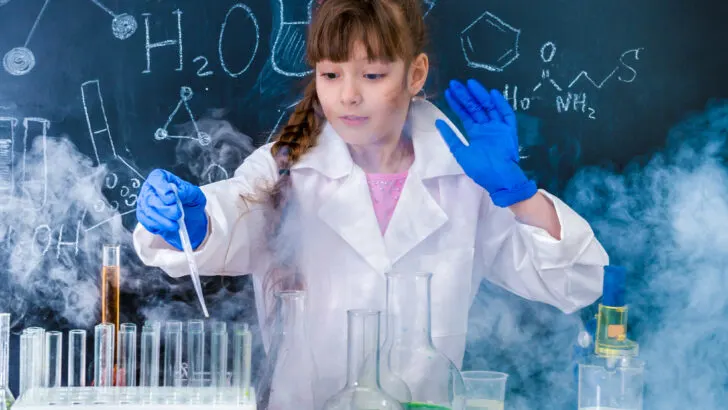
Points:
x=110, y=281
x=110, y=290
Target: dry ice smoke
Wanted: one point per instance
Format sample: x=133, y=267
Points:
x=667, y=222
x=49, y=238
x=54, y=222
x=530, y=341
x=217, y=160
x=61, y=211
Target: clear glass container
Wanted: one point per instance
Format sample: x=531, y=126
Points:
x=614, y=383
x=289, y=373
x=432, y=378
x=363, y=391
x=485, y=389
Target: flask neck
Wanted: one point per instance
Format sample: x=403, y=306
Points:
x=291, y=311
x=363, y=349
x=408, y=309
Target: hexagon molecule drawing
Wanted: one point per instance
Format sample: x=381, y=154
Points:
x=490, y=43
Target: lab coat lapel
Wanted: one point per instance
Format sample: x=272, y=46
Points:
x=350, y=213
x=416, y=216
x=348, y=210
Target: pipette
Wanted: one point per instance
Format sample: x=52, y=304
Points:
x=187, y=247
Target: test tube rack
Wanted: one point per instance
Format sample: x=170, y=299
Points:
x=115, y=383
x=108, y=398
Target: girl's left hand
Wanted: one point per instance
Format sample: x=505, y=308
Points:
x=491, y=156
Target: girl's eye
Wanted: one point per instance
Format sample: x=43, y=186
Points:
x=373, y=76
x=329, y=76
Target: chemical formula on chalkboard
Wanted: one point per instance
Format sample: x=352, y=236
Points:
x=564, y=100
x=564, y=97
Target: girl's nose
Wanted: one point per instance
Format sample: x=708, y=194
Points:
x=350, y=94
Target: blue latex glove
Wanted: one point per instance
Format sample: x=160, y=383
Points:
x=158, y=212
x=491, y=158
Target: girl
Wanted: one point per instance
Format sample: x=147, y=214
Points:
x=366, y=178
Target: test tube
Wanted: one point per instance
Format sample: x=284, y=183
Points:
x=126, y=355
x=36, y=354
x=218, y=354
x=77, y=358
x=103, y=354
x=110, y=285
x=53, y=359
x=26, y=362
x=4, y=348
x=173, y=354
x=196, y=352
x=242, y=349
x=31, y=359
x=149, y=372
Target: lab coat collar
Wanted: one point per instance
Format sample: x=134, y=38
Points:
x=432, y=157
x=417, y=214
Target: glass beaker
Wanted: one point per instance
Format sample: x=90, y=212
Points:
x=485, y=390
x=433, y=379
x=611, y=384
x=289, y=375
x=363, y=391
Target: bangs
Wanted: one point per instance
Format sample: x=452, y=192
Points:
x=335, y=36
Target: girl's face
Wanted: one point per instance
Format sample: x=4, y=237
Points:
x=366, y=102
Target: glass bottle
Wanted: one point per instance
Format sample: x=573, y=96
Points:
x=363, y=391
x=6, y=396
x=433, y=380
x=289, y=373
x=612, y=376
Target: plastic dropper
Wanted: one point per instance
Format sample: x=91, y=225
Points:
x=187, y=247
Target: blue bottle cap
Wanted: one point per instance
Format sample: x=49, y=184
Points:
x=615, y=278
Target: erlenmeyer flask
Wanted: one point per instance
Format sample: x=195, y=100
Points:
x=363, y=391
x=433, y=380
x=391, y=384
x=289, y=374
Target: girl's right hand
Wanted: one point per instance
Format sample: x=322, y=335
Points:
x=158, y=212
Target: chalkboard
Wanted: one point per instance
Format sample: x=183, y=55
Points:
x=95, y=94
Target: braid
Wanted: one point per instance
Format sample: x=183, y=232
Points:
x=298, y=136
x=302, y=128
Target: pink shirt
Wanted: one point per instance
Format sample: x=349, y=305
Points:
x=385, y=190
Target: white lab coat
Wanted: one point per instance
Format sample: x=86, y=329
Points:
x=444, y=223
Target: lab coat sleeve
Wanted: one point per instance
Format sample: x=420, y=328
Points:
x=235, y=239
x=529, y=262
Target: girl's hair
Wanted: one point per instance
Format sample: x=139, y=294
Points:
x=389, y=30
